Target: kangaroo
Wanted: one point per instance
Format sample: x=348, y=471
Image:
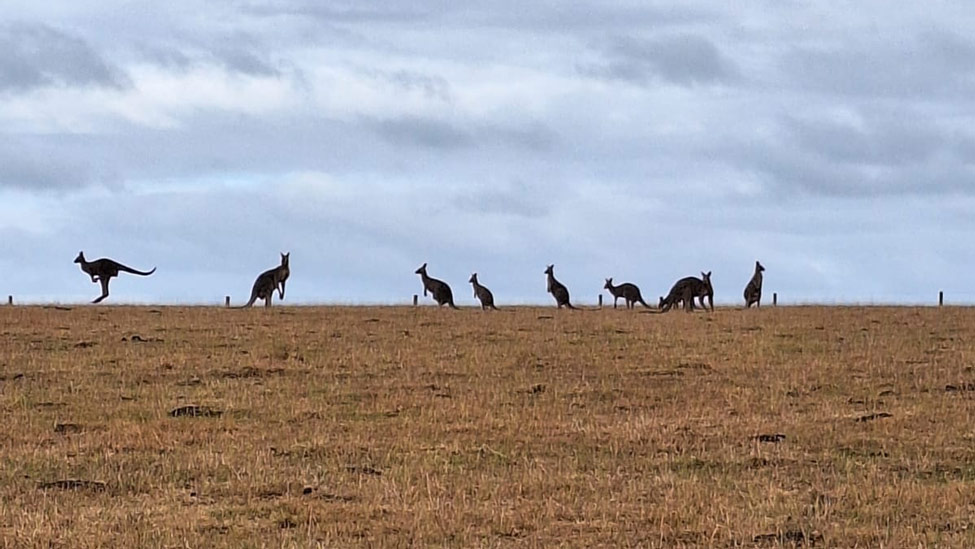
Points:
x=753, y=290
x=629, y=292
x=557, y=289
x=438, y=288
x=269, y=281
x=482, y=293
x=685, y=290
x=103, y=270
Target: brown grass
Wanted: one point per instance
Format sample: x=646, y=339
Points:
x=533, y=427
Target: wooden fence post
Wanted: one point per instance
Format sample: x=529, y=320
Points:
x=941, y=298
x=10, y=300
x=416, y=299
x=226, y=301
x=600, y=301
x=775, y=299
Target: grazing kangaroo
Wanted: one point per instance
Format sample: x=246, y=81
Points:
x=685, y=290
x=269, y=281
x=482, y=293
x=629, y=292
x=438, y=288
x=753, y=290
x=557, y=289
x=102, y=270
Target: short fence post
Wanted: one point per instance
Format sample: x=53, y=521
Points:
x=775, y=299
x=600, y=301
x=226, y=301
x=416, y=299
x=10, y=300
x=941, y=298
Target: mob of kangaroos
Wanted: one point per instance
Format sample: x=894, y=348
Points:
x=482, y=293
x=753, y=290
x=102, y=270
x=628, y=291
x=557, y=289
x=438, y=288
x=685, y=290
x=269, y=281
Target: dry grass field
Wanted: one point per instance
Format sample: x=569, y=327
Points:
x=396, y=427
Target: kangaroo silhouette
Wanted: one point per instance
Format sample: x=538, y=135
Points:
x=629, y=292
x=438, y=288
x=753, y=290
x=685, y=290
x=270, y=281
x=557, y=289
x=482, y=293
x=103, y=270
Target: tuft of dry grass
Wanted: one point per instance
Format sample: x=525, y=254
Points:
x=208, y=427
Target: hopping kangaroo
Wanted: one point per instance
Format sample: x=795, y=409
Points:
x=557, y=289
x=629, y=292
x=482, y=294
x=102, y=270
x=753, y=290
x=269, y=281
x=438, y=288
x=685, y=290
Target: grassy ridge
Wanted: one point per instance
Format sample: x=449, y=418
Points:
x=401, y=426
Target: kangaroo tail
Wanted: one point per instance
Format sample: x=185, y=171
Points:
x=135, y=271
x=250, y=301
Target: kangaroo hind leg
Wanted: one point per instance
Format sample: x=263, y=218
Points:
x=104, y=282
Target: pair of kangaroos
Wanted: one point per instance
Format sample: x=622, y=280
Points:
x=104, y=269
x=441, y=293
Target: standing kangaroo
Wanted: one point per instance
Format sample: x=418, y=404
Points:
x=629, y=292
x=557, y=289
x=269, y=281
x=753, y=290
x=438, y=288
x=482, y=293
x=685, y=290
x=102, y=270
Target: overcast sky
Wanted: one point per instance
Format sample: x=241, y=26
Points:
x=833, y=141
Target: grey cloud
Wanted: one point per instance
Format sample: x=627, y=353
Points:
x=36, y=55
x=557, y=18
x=681, y=59
x=431, y=86
x=39, y=163
x=891, y=154
x=437, y=134
x=237, y=52
x=516, y=199
x=927, y=64
x=352, y=12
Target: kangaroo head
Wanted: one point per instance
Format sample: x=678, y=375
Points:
x=706, y=277
x=759, y=267
x=422, y=270
x=550, y=270
x=609, y=284
x=473, y=279
x=284, y=259
x=660, y=304
x=80, y=258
